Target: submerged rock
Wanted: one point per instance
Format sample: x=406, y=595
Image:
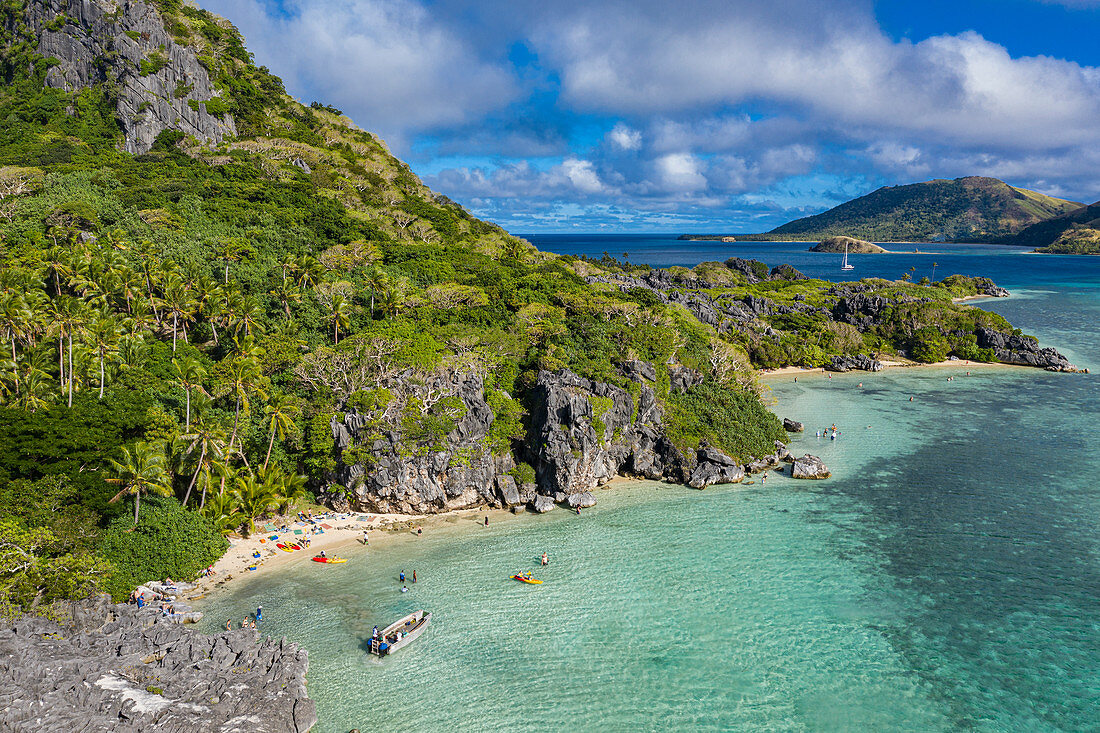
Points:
x=810, y=467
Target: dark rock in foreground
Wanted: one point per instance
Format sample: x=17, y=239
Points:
x=810, y=467
x=115, y=668
x=792, y=426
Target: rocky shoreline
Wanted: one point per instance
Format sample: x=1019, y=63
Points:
x=117, y=668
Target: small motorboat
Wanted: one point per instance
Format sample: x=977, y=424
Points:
x=329, y=559
x=526, y=578
x=400, y=633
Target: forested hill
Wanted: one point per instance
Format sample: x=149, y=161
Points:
x=1077, y=232
x=217, y=303
x=971, y=209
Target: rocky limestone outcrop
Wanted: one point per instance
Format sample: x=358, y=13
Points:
x=106, y=41
x=584, y=433
x=582, y=500
x=859, y=362
x=1023, y=350
x=542, y=504
x=714, y=467
x=388, y=477
x=115, y=668
x=809, y=467
x=792, y=426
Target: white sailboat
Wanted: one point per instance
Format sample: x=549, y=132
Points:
x=846, y=266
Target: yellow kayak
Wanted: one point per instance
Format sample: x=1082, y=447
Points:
x=330, y=560
x=527, y=579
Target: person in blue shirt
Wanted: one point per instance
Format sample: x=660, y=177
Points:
x=259, y=613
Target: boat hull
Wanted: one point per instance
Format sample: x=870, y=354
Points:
x=410, y=627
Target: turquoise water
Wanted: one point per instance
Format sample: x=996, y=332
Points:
x=947, y=577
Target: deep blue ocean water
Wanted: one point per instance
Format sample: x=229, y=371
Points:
x=947, y=577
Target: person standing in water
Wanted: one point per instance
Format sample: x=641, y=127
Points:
x=545, y=559
x=486, y=521
x=414, y=576
x=402, y=576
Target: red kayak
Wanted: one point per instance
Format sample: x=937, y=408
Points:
x=328, y=559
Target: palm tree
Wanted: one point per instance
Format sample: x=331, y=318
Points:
x=140, y=471
x=180, y=304
x=309, y=270
x=340, y=309
x=66, y=314
x=147, y=260
x=104, y=333
x=15, y=321
x=933, y=272
x=35, y=391
x=209, y=440
x=246, y=376
x=282, y=409
x=224, y=512
x=189, y=373
x=289, y=487
x=375, y=279
x=254, y=497
x=249, y=318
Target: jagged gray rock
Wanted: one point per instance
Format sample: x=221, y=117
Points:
x=1023, y=350
x=585, y=433
x=583, y=500
x=792, y=426
x=116, y=668
x=463, y=474
x=714, y=467
x=859, y=362
x=809, y=467
x=542, y=504
x=106, y=41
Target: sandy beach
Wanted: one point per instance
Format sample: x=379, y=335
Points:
x=340, y=530
x=960, y=364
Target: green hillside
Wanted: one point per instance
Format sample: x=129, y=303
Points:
x=971, y=209
x=1077, y=232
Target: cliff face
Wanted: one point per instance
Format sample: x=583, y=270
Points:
x=581, y=434
x=158, y=83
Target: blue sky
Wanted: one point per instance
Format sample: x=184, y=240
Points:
x=698, y=115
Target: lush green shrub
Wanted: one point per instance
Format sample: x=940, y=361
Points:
x=728, y=418
x=168, y=541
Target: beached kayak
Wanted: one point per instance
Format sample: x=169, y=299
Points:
x=527, y=579
x=329, y=559
x=284, y=548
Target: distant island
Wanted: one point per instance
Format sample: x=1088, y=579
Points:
x=971, y=209
x=849, y=245
x=1075, y=233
